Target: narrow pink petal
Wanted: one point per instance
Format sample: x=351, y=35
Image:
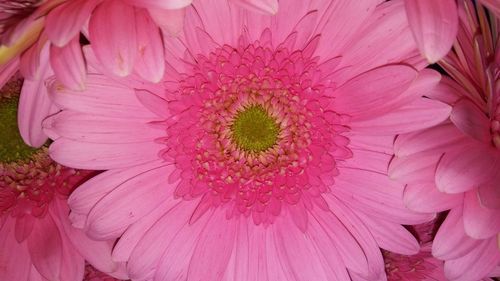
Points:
x=489, y=193
x=65, y=21
x=163, y=4
x=375, y=92
x=425, y=197
x=170, y=21
x=309, y=258
x=439, y=138
x=451, y=241
x=68, y=64
x=32, y=62
x=479, y=222
x=463, y=170
x=416, y=168
x=382, y=144
x=8, y=70
x=14, y=257
x=391, y=236
x=119, y=209
x=150, y=61
x=420, y=114
x=471, y=120
x=24, y=227
x=368, y=160
x=434, y=25
x=45, y=247
x=493, y=5
x=476, y=264
x=262, y=6
x=103, y=156
x=73, y=264
x=112, y=32
x=276, y=270
x=35, y=105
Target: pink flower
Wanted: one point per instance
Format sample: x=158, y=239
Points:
x=434, y=26
x=92, y=274
x=455, y=165
x=37, y=241
x=263, y=155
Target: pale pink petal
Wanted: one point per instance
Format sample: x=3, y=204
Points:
x=14, y=266
x=310, y=258
x=382, y=144
x=170, y=21
x=32, y=61
x=375, y=92
x=112, y=32
x=476, y=264
x=163, y=4
x=391, y=236
x=103, y=156
x=68, y=64
x=463, y=170
x=434, y=25
x=35, y=105
x=120, y=208
x=45, y=247
x=425, y=197
x=150, y=61
x=65, y=21
x=471, y=120
x=368, y=160
x=479, y=222
x=439, y=138
x=153, y=102
x=451, y=241
x=262, y=6
x=414, y=169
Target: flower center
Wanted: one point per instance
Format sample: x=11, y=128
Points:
x=13, y=148
x=253, y=130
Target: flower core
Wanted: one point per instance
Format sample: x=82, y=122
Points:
x=253, y=130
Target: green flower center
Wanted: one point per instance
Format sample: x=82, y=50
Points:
x=254, y=130
x=12, y=147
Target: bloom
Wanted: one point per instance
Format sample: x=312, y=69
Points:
x=455, y=165
x=263, y=155
x=36, y=237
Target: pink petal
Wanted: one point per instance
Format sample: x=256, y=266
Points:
x=434, y=25
x=489, y=194
x=32, y=62
x=119, y=209
x=112, y=32
x=391, y=236
x=35, y=105
x=493, y=5
x=8, y=70
x=476, y=264
x=451, y=241
x=65, y=21
x=45, y=247
x=416, y=168
x=368, y=160
x=375, y=92
x=479, y=222
x=73, y=264
x=471, y=121
x=170, y=21
x=425, y=198
x=261, y=6
x=150, y=63
x=163, y=4
x=463, y=170
x=68, y=64
x=14, y=257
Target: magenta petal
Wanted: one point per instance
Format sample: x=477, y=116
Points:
x=375, y=92
x=68, y=64
x=45, y=246
x=15, y=259
x=35, y=105
x=489, y=193
x=262, y=6
x=462, y=170
x=150, y=63
x=471, y=120
x=112, y=34
x=479, y=222
x=163, y=4
x=434, y=25
x=65, y=21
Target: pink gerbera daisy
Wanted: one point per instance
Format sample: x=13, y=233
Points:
x=37, y=241
x=263, y=155
x=456, y=164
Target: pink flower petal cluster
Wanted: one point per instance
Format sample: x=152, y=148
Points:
x=455, y=166
x=263, y=154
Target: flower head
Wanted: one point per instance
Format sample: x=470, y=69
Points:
x=455, y=165
x=36, y=237
x=264, y=152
